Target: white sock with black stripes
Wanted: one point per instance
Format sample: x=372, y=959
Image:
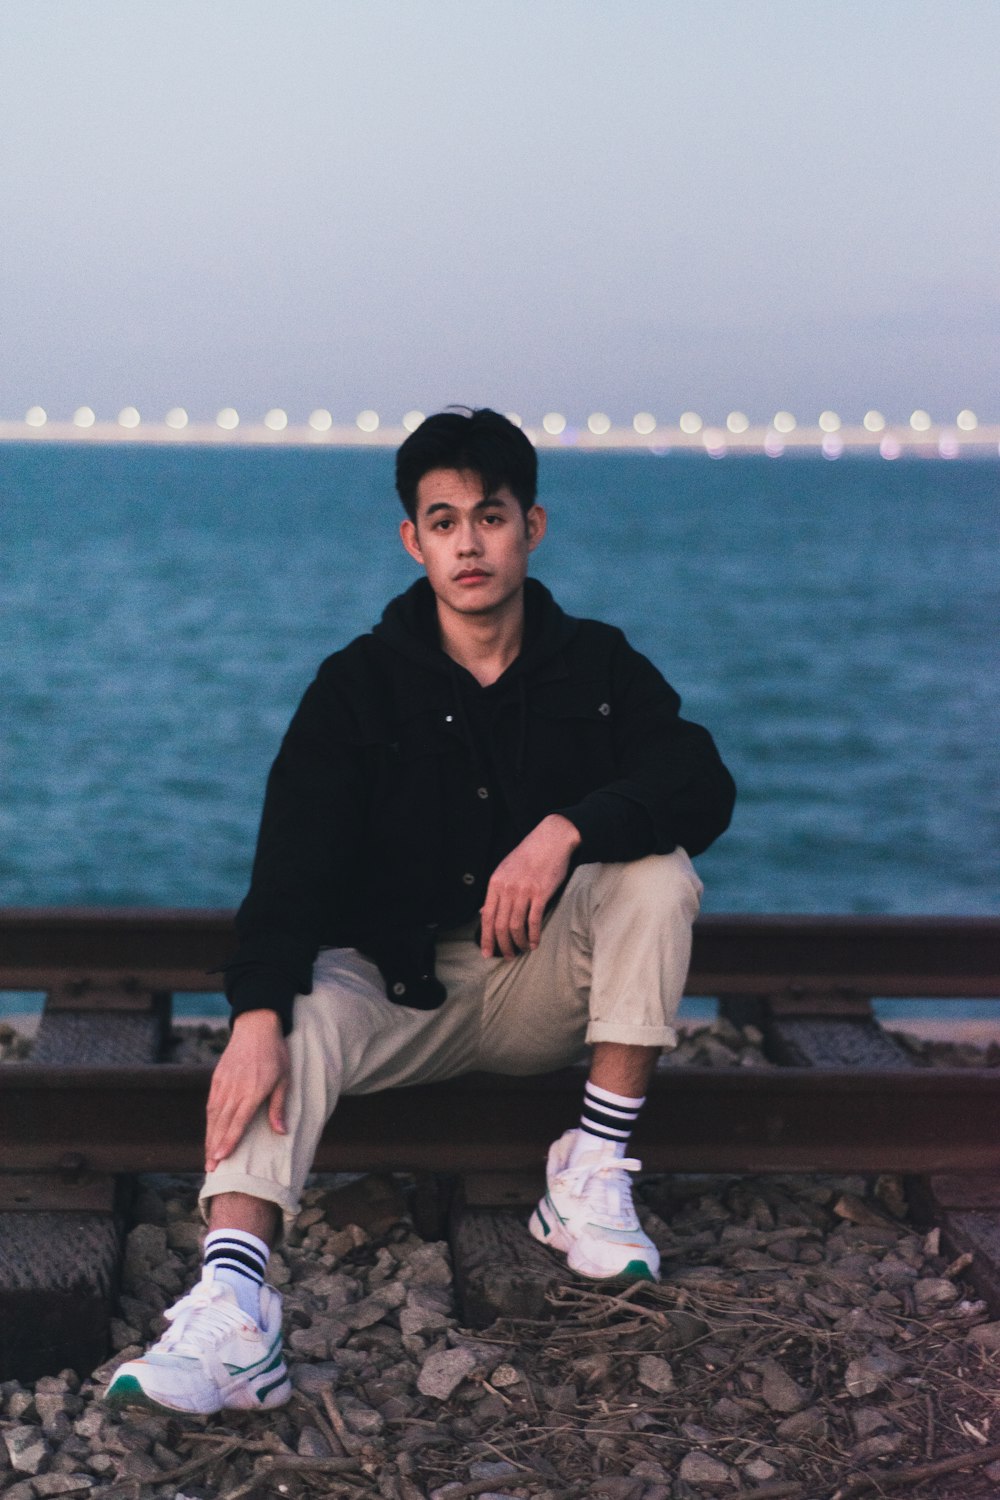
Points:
x=240, y=1260
x=607, y=1118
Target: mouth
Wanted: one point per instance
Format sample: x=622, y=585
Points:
x=471, y=575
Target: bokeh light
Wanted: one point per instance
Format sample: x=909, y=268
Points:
x=554, y=423
x=773, y=446
x=644, y=423
x=948, y=445
x=715, y=442
x=84, y=417
x=737, y=421
x=873, y=421
x=276, y=420
x=412, y=420
x=920, y=420
x=783, y=421
x=967, y=420
x=513, y=418
x=177, y=418
x=832, y=445
x=228, y=419
x=829, y=421
x=690, y=422
x=320, y=420
x=599, y=423
x=36, y=416
x=367, y=421
x=128, y=417
x=889, y=447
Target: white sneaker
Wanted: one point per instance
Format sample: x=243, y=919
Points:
x=212, y=1356
x=587, y=1211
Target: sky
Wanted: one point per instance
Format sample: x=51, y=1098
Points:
x=573, y=205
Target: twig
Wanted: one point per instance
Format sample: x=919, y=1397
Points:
x=293, y=1462
x=479, y=1486
x=893, y=1478
x=349, y=1441
x=184, y=1471
x=929, y=1439
x=322, y=1425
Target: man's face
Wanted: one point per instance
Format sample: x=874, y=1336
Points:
x=474, y=546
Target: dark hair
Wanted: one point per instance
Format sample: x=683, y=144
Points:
x=478, y=441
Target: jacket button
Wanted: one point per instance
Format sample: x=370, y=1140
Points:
x=468, y=879
x=604, y=708
x=399, y=988
x=483, y=791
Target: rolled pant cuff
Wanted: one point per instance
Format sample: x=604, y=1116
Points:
x=631, y=1036
x=224, y=1181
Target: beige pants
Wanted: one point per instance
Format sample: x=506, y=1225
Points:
x=610, y=967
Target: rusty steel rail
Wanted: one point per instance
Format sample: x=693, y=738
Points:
x=925, y=1120
x=182, y=950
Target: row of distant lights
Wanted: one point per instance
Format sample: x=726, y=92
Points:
x=554, y=423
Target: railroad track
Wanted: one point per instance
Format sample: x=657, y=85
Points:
x=95, y=1105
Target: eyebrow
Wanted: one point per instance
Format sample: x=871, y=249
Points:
x=486, y=501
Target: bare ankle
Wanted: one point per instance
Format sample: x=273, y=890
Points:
x=241, y=1211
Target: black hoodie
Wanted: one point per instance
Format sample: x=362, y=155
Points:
x=401, y=783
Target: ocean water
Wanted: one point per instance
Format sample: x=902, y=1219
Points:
x=833, y=623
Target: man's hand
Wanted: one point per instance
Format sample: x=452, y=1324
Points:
x=522, y=885
x=254, y=1067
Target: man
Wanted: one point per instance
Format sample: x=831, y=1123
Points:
x=473, y=854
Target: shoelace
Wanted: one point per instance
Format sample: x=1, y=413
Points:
x=607, y=1186
x=200, y=1320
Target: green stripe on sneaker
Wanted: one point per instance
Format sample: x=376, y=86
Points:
x=541, y=1219
x=263, y=1395
x=259, y=1366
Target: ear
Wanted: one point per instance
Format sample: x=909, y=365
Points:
x=536, y=523
x=408, y=536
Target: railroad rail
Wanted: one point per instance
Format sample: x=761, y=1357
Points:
x=95, y=1104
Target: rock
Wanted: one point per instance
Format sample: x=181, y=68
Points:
x=778, y=1390
x=428, y=1265
x=492, y=1469
x=879, y=1446
x=650, y=1470
x=423, y=1313
x=46, y=1485
x=934, y=1291
x=986, y=1335
x=359, y=1416
x=28, y=1450
x=312, y=1380
x=864, y=1376
x=24, y=1490
x=867, y=1420
x=443, y=1372
x=655, y=1374
x=616, y=1487
x=759, y=1470
x=312, y=1444
x=505, y=1375
x=705, y=1472
x=810, y=1423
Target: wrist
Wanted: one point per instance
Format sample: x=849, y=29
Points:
x=566, y=830
x=261, y=1021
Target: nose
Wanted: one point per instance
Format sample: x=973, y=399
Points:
x=469, y=544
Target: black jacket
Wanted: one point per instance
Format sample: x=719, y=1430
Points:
x=397, y=789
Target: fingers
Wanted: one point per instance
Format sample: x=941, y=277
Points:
x=276, y=1109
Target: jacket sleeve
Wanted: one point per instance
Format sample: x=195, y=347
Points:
x=310, y=834
x=671, y=788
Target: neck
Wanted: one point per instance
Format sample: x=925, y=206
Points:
x=484, y=645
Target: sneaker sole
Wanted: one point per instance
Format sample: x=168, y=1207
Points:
x=128, y=1392
x=554, y=1236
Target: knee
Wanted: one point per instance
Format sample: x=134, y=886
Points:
x=659, y=884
